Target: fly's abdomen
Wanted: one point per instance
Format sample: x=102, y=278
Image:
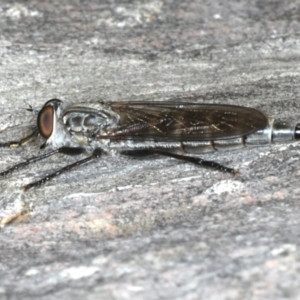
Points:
x=180, y=147
x=275, y=131
x=210, y=146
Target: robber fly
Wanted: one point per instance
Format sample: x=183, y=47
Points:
x=174, y=129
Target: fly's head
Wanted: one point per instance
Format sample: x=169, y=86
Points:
x=47, y=117
x=48, y=123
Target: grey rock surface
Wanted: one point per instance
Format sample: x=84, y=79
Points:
x=124, y=228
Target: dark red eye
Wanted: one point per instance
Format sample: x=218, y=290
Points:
x=45, y=121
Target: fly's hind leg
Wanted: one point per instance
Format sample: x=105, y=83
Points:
x=192, y=159
x=137, y=153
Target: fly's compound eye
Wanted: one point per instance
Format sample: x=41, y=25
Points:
x=45, y=121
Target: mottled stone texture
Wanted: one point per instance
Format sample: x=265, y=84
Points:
x=125, y=228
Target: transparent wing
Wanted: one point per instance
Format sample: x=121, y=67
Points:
x=166, y=121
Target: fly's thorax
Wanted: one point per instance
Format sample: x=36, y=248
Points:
x=60, y=137
x=83, y=123
x=89, y=118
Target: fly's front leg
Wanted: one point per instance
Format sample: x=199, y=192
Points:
x=63, y=150
x=195, y=160
x=96, y=153
x=21, y=142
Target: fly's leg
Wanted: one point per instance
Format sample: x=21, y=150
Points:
x=137, y=153
x=21, y=142
x=63, y=150
x=27, y=162
x=97, y=153
x=195, y=160
x=198, y=161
